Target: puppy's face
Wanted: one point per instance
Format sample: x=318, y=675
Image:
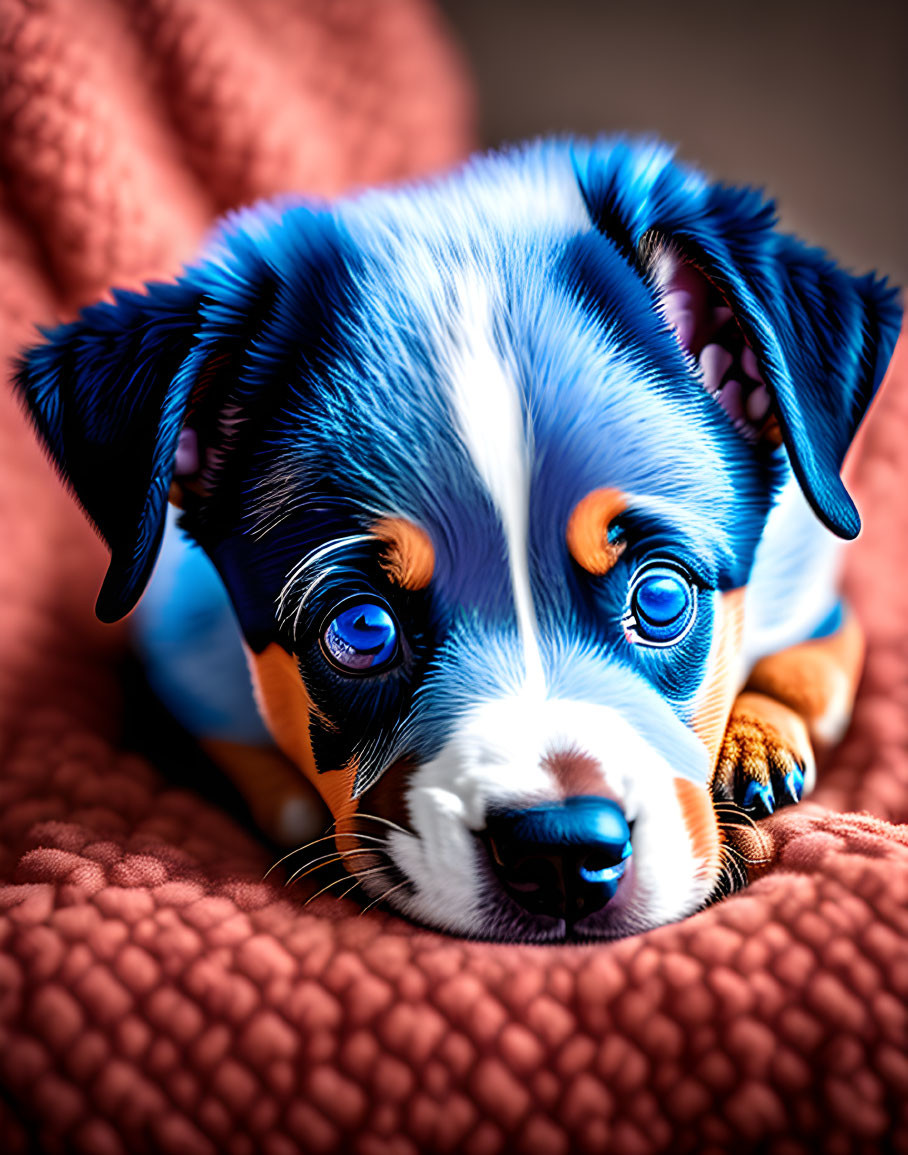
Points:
x=486, y=487
x=531, y=528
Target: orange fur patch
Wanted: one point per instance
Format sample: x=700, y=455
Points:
x=266, y=778
x=587, y=530
x=285, y=705
x=816, y=676
x=408, y=557
x=700, y=822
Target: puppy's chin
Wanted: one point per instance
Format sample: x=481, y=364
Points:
x=497, y=918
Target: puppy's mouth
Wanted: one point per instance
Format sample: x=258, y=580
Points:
x=509, y=917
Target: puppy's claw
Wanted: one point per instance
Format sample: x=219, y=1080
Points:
x=759, y=797
x=783, y=790
x=794, y=785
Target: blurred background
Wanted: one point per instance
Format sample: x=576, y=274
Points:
x=808, y=99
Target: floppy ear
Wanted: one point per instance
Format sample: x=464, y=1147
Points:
x=107, y=397
x=168, y=381
x=109, y=394
x=821, y=338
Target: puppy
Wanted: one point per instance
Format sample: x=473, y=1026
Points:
x=524, y=485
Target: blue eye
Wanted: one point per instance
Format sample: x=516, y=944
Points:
x=662, y=605
x=361, y=638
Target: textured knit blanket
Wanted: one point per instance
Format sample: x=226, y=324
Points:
x=156, y=995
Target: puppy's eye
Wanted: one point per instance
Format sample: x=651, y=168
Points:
x=662, y=604
x=361, y=637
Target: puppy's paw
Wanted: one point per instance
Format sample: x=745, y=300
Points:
x=282, y=803
x=765, y=760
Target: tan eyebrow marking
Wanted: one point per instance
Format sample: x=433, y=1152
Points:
x=408, y=557
x=587, y=530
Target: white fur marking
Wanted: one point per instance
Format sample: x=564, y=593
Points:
x=498, y=757
x=794, y=583
x=489, y=413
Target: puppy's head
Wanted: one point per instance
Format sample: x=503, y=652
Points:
x=484, y=465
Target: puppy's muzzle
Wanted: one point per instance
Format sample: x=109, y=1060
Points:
x=563, y=860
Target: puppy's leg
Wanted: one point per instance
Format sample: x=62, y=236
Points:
x=280, y=800
x=187, y=635
x=793, y=701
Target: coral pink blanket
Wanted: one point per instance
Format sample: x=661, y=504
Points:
x=155, y=994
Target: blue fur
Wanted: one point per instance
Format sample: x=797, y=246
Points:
x=327, y=331
x=824, y=336
x=185, y=630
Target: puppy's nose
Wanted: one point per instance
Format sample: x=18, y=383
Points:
x=563, y=860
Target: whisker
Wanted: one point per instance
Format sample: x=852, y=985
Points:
x=353, y=886
x=335, y=856
x=765, y=847
x=384, y=821
x=731, y=877
x=726, y=823
x=365, y=874
x=315, y=560
x=740, y=856
x=382, y=897
x=339, y=856
x=731, y=811
x=338, y=881
x=734, y=879
x=727, y=829
x=371, y=818
x=316, y=841
x=735, y=850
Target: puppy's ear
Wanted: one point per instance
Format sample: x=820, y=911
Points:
x=819, y=338
x=169, y=382
x=108, y=398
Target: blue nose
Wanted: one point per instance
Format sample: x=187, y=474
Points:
x=563, y=860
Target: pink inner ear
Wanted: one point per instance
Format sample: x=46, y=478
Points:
x=187, y=456
x=707, y=330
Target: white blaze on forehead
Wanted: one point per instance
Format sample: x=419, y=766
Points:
x=489, y=413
